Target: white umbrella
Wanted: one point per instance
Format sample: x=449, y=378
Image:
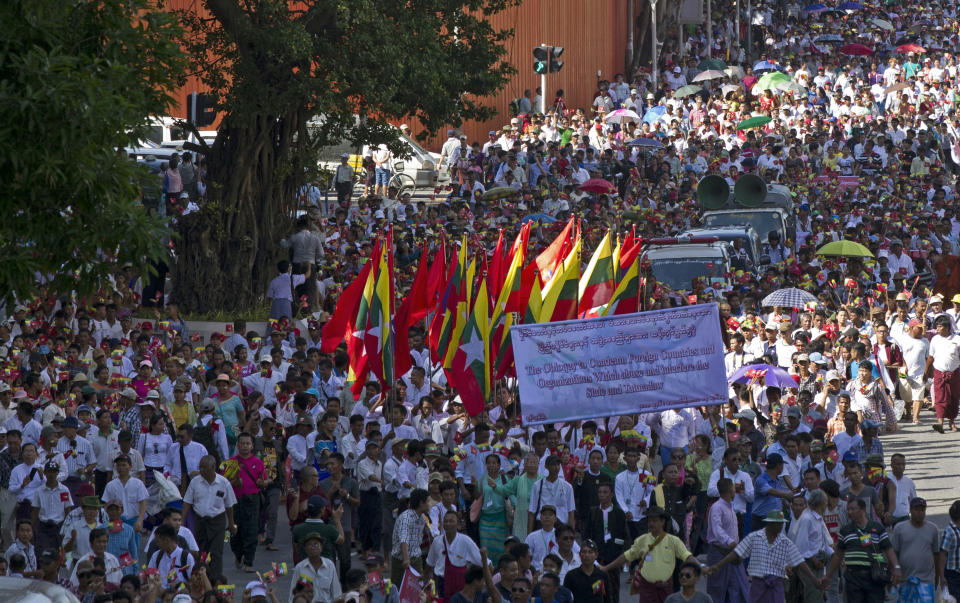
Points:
x=882, y=24
x=728, y=88
x=710, y=74
x=621, y=116
x=735, y=71
x=791, y=86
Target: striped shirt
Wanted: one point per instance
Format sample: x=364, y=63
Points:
x=857, y=544
x=768, y=559
x=950, y=545
x=78, y=453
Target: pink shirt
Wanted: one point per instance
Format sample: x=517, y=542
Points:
x=254, y=471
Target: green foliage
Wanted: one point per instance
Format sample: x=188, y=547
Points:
x=77, y=80
x=431, y=60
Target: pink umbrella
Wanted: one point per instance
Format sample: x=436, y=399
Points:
x=598, y=185
x=910, y=48
x=856, y=50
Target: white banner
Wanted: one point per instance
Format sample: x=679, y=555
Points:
x=615, y=365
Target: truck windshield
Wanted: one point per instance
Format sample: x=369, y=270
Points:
x=679, y=273
x=762, y=221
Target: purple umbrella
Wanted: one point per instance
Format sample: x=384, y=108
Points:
x=773, y=376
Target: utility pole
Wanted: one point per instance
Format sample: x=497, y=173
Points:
x=653, y=42
x=630, y=27
x=749, y=32
x=709, y=29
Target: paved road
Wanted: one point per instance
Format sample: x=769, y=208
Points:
x=932, y=461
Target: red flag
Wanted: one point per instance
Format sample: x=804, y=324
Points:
x=554, y=254
x=498, y=269
x=417, y=298
x=338, y=327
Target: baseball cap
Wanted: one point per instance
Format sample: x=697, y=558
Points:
x=207, y=404
x=793, y=411
x=316, y=503
x=747, y=413
x=831, y=376
x=850, y=457
x=51, y=466
x=373, y=559
x=71, y=422
x=256, y=588
x=128, y=392
x=344, y=155
x=914, y=322
x=774, y=459
x=146, y=363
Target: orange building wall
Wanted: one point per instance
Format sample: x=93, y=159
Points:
x=592, y=32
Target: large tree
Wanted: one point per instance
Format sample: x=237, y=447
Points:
x=275, y=66
x=78, y=79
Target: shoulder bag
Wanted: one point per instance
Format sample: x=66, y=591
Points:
x=636, y=581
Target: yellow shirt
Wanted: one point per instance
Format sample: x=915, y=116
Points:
x=181, y=414
x=659, y=564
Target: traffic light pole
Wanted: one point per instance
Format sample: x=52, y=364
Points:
x=543, y=93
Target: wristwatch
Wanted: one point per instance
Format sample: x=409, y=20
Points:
x=896, y=567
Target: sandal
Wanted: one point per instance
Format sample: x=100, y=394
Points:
x=271, y=547
x=938, y=428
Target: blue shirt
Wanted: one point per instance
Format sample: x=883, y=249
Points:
x=764, y=502
x=123, y=541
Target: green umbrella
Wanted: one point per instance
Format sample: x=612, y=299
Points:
x=711, y=64
x=499, y=192
x=850, y=249
x=687, y=90
x=770, y=81
x=753, y=122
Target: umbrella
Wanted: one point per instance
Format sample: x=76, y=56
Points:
x=896, y=87
x=814, y=8
x=850, y=6
x=883, y=24
x=829, y=39
x=598, y=185
x=910, y=48
x=769, y=81
x=753, y=122
x=856, y=49
x=653, y=114
x=845, y=248
x=650, y=143
x=790, y=86
x=710, y=74
x=735, y=71
x=764, y=66
x=773, y=376
x=788, y=298
x=499, y=192
x=688, y=90
x=728, y=88
x=620, y=116
x=706, y=64
x=545, y=218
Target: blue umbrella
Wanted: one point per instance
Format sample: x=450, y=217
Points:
x=645, y=142
x=815, y=8
x=774, y=375
x=850, y=6
x=545, y=218
x=764, y=66
x=652, y=115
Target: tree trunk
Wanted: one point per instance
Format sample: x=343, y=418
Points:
x=251, y=205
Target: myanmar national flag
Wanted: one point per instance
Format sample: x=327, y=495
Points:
x=597, y=283
x=378, y=337
x=560, y=294
x=502, y=317
x=550, y=260
x=626, y=297
x=359, y=365
x=470, y=365
x=343, y=322
x=445, y=315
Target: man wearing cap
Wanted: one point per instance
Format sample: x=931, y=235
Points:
x=78, y=454
x=659, y=552
x=46, y=451
x=130, y=419
x=211, y=498
x=771, y=553
x=75, y=531
x=944, y=364
x=917, y=544
x=316, y=570
x=50, y=503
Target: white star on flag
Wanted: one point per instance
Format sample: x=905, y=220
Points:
x=473, y=348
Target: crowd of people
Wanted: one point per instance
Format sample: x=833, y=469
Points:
x=135, y=454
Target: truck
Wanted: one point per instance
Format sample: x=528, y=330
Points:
x=678, y=262
x=754, y=202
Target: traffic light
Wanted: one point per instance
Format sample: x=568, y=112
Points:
x=555, y=65
x=541, y=57
x=205, y=112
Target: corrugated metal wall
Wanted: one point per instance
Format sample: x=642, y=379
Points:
x=592, y=32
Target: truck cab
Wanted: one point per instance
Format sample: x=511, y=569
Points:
x=752, y=202
x=678, y=262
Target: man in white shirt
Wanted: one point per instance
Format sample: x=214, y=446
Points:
x=183, y=457
x=675, y=427
x=553, y=491
x=814, y=542
x=742, y=482
x=417, y=386
x=915, y=349
x=906, y=490
x=543, y=542
x=632, y=488
x=211, y=498
x=173, y=562
x=98, y=549
x=944, y=359
x=453, y=547
x=316, y=570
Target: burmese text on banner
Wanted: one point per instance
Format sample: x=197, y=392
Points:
x=642, y=362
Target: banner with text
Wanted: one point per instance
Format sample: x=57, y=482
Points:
x=615, y=365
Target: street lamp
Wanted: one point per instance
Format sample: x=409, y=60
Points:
x=653, y=37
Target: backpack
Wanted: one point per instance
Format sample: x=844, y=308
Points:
x=203, y=434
